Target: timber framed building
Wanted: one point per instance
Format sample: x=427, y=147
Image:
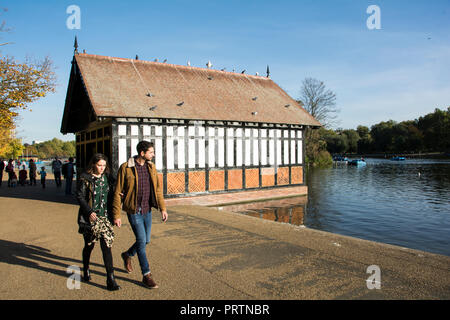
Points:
x=214, y=131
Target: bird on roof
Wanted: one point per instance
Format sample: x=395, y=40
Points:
x=287, y=105
x=254, y=98
x=137, y=58
x=165, y=60
x=189, y=63
x=210, y=78
x=268, y=72
x=152, y=108
x=243, y=71
x=149, y=94
x=156, y=60
x=209, y=64
x=257, y=74
x=223, y=69
x=180, y=104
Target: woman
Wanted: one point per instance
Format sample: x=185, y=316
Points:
x=94, y=194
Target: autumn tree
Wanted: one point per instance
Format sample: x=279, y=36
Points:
x=21, y=83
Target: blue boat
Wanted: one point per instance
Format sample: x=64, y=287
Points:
x=357, y=162
x=340, y=158
x=398, y=158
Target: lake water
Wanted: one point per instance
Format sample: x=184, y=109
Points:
x=405, y=203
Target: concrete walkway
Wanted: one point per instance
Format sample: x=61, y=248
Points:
x=203, y=253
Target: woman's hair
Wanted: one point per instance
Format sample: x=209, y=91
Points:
x=94, y=160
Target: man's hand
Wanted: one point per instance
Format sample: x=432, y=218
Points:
x=117, y=222
x=164, y=216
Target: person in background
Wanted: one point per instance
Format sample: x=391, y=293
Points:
x=68, y=172
x=13, y=180
x=10, y=170
x=43, y=174
x=23, y=176
x=94, y=194
x=32, y=172
x=2, y=167
x=56, y=168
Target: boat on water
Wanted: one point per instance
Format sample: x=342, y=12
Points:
x=398, y=158
x=340, y=158
x=356, y=162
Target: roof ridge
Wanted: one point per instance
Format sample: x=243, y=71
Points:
x=170, y=65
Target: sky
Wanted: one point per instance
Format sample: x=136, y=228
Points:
x=389, y=64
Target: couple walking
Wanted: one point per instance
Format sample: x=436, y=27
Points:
x=102, y=197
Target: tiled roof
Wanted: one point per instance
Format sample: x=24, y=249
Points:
x=120, y=87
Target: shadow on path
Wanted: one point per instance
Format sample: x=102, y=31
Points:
x=51, y=193
x=32, y=256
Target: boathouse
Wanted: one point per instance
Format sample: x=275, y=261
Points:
x=214, y=131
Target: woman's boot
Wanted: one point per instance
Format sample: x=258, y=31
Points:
x=86, y=258
x=111, y=284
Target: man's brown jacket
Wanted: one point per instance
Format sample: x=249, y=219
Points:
x=127, y=184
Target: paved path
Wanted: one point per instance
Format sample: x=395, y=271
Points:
x=203, y=253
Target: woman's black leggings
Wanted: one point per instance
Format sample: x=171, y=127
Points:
x=107, y=255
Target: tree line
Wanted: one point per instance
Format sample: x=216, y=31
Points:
x=429, y=133
x=50, y=149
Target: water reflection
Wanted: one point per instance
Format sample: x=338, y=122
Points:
x=289, y=210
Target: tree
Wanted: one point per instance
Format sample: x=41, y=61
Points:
x=319, y=101
x=20, y=85
x=321, y=104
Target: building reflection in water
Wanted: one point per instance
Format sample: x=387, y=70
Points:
x=288, y=210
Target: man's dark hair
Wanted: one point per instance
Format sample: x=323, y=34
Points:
x=144, y=146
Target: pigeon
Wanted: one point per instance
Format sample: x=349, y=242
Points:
x=254, y=98
x=243, y=71
x=180, y=104
x=152, y=108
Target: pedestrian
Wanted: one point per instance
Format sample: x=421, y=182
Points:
x=13, y=180
x=56, y=168
x=43, y=174
x=94, y=194
x=68, y=172
x=2, y=167
x=10, y=170
x=138, y=185
x=23, y=176
x=32, y=172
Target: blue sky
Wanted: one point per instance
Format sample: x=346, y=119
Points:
x=398, y=72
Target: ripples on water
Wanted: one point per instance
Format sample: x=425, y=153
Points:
x=403, y=203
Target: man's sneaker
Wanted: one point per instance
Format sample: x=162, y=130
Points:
x=148, y=282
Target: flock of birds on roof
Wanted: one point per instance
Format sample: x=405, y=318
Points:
x=209, y=65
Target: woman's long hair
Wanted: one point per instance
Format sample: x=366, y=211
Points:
x=94, y=160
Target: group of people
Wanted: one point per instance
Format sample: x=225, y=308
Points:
x=102, y=196
x=67, y=170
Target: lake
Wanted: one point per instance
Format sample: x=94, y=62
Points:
x=404, y=203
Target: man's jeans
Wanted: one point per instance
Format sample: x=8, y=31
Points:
x=142, y=226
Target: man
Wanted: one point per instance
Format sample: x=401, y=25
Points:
x=68, y=172
x=56, y=168
x=139, y=189
x=2, y=167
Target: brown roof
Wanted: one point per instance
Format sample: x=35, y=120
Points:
x=118, y=87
